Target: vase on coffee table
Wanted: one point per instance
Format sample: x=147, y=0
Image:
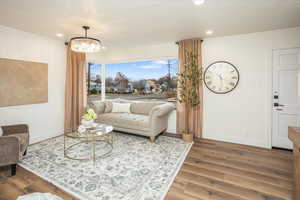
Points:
x=87, y=123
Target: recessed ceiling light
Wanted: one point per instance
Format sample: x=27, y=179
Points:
x=199, y=2
x=209, y=32
x=59, y=34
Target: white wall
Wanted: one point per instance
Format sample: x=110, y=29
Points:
x=244, y=115
x=47, y=119
x=138, y=53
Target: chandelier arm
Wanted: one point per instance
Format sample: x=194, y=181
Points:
x=86, y=28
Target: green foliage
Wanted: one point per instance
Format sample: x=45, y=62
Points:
x=94, y=91
x=189, y=81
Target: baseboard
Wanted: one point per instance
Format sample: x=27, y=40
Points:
x=283, y=149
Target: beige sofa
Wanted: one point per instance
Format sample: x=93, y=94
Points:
x=145, y=118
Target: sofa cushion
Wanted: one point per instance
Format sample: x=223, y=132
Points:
x=97, y=106
x=121, y=107
x=143, y=108
x=125, y=120
x=109, y=104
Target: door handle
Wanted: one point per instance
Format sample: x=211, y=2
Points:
x=278, y=109
x=278, y=105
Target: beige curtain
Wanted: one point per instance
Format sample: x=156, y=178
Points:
x=196, y=115
x=75, y=89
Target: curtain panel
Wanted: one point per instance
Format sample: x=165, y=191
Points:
x=75, y=89
x=195, y=123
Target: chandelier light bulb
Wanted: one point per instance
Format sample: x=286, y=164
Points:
x=209, y=32
x=199, y=2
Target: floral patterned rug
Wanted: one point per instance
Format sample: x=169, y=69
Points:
x=135, y=170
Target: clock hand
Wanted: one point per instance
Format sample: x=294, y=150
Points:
x=218, y=75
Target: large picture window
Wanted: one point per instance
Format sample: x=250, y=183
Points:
x=143, y=80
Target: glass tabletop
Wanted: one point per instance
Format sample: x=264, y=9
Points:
x=98, y=130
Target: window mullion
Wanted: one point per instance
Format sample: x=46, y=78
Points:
x=103, y=77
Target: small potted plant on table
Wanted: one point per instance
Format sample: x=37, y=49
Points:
x=88, y=118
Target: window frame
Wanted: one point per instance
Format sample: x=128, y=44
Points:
x=103, y=68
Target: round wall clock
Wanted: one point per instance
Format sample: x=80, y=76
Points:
x=221, y=77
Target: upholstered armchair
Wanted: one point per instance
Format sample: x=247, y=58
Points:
x=13, y=145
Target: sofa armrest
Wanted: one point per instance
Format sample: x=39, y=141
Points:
x=9, y=150
x=15, y=129
x=97, y=106
x=161, y=110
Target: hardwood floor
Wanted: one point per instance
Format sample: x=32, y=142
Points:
x=212, y=171
x=225, y=171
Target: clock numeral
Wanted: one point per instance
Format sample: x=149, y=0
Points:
x=232, y=84
x=234, y=77
x=209, y=83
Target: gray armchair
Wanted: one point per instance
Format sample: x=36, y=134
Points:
x=13, y=145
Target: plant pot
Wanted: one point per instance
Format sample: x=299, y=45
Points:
x=87, y=123
x=188, y=137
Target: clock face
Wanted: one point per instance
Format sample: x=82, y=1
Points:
x=221, y=77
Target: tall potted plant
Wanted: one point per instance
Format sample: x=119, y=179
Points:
x=189, y=81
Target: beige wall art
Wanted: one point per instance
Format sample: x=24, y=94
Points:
x=23, y=82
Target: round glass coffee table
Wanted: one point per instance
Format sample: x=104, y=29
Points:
x=74, y=141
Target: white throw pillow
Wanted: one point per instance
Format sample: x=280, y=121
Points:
x=1, y=132
x=121, y=107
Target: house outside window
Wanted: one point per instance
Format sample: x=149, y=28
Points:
x=154, y=80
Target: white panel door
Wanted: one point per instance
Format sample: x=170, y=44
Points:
x=286, y=95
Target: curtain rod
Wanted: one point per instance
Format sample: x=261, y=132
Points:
x=178, y=42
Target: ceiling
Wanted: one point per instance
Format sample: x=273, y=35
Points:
x=143, y=22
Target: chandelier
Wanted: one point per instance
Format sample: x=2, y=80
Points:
x=85, y=44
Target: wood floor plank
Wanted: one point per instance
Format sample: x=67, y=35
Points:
x=178, y=194
x=213, y=170
x=26, y=182
x=239, y=151
x=263, y=178
x=241, y=146
x=260, y=151
x=280, y=165
x=201, y=191
x=224, y=187
x=264, y=188
x=242, y=165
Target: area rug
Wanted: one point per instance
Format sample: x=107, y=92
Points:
x=135, y=170
x=39, y=196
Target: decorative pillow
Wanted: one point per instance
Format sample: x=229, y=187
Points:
x=120, y=107
x=1, y=131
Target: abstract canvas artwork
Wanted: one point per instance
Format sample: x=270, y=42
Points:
x=23, y=82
